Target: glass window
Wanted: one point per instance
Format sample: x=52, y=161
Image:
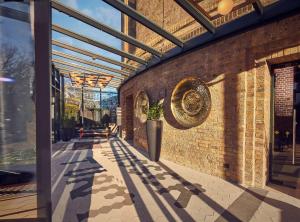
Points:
x=18, y=197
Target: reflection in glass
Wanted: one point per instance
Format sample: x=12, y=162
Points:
x=17, y=113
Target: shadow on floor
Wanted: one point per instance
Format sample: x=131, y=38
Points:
x=74, y=171
x=242, y=209
x=186, y=189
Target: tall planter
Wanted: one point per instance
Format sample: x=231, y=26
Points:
x=154, y=137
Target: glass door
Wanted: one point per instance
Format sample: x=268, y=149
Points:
x=296, y=120
x=285, y=159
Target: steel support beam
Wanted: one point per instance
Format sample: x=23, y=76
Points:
x=257, y=5
x=119, y=5
x=97, y=44
x=77, y=59
x=90, y=21
x=92, y=55
x=42, y=89
x=196, y=14
x=61, y=62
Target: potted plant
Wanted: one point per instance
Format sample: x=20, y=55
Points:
x=154, y=130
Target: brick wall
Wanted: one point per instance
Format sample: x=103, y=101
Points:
x=233, y=143
x=284, y=83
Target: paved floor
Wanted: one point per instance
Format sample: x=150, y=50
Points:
x=112, y=181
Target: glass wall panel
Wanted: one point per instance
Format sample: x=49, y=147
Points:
x=18, y=195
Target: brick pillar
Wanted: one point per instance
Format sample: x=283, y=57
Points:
x=261, y=144
x=257, y=126
x=250, y=128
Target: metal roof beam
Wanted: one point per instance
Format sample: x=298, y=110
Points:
x=119, y=5
x=92, y=55
x=258, y=6
x=97, y=44
x=77, y=59
x=247, y=22
x=190, y=8
x=61, y=62
x=90, y=21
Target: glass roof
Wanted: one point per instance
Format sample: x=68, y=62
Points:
x=133, y=28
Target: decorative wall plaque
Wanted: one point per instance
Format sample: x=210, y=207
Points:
x=190, y=102
x=141, y=106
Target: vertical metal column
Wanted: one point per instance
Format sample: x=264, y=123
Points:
x=272, y=120
x=100, y=108
x=42, y=36
x=62, y=95
x=62, y=104
x=294, y=135
x=82, y=107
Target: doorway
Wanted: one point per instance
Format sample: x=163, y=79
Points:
x=285, y=155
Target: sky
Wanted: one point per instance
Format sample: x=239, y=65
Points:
x=98, y=10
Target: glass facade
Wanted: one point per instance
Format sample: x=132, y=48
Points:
x=17, y=112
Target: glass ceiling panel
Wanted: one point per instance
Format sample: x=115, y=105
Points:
x=74, y=42
x=81, y=28
x=70, y=52
x=166, y=14
x=85, y=65
x=98, y=10
x=94, y=33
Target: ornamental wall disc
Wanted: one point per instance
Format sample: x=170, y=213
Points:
x=141, y=106
x=190, y=102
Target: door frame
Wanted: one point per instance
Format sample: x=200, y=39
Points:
x=271, y=65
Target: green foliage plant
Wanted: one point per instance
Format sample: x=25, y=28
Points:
x=155, y=111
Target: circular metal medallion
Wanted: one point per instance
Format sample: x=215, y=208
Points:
x=190, y=102
x=141, y=106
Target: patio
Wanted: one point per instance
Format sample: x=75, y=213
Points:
x=103, y=180
x=162, y=110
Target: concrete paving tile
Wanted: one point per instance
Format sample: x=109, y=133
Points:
x=133, y=188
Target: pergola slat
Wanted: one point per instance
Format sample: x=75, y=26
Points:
x=97, y=44
x=196, y=14
x=88, y=20
x=77, y=59
x=92, y=55
x=67, y=72
x=119, y=5
x=84, y=68
x=93, y=90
